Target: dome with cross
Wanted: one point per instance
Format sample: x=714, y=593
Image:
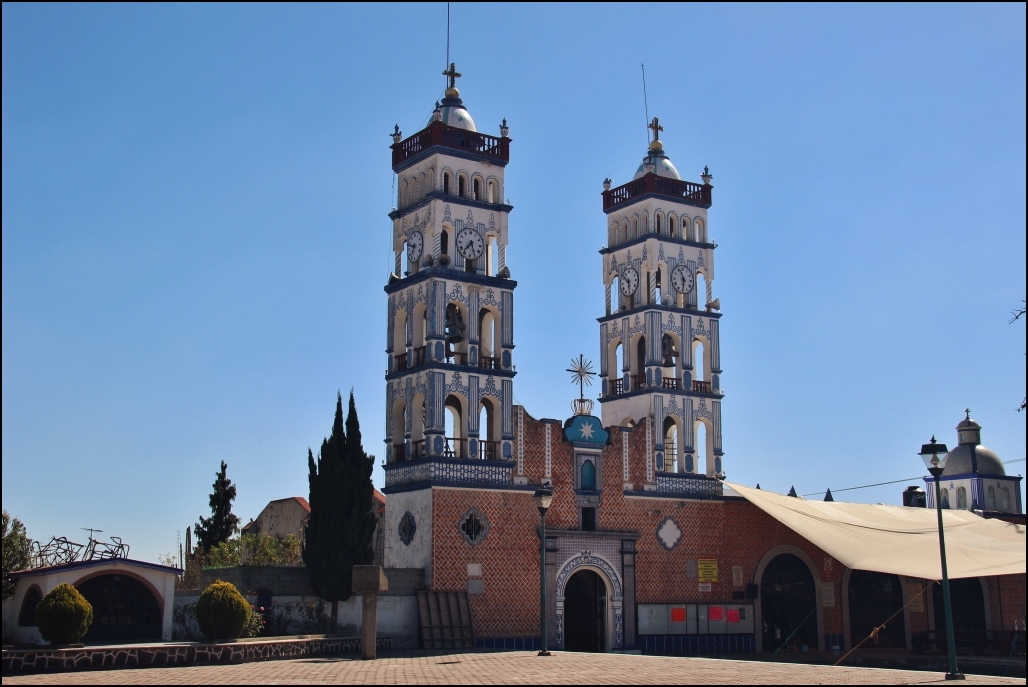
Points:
x=451, y=110
x=970, y=457
x=656, y=160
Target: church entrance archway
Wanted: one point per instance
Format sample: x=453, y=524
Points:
x=788, y=604
x=876, y=598
x=968, y=607
x=585, y=613
x=124, y=610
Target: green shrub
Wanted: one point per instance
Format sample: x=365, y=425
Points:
x=254, y=623
x=64, y=615
x=222, y=612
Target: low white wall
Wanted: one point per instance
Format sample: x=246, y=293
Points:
x=291, y=615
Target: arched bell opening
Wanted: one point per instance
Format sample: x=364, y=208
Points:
x=489, y=339
x=488, y=430
x=671, y=446
x=639, y=364
x=397, y=432
x=455, y=443
x=417, y=427
x=669, y=352
x=455, y=334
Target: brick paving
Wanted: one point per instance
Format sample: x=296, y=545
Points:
x=505, y=668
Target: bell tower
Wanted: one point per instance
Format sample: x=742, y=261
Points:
x=450, y=339
x=659, y=346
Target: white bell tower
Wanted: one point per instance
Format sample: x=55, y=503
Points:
x=659, y=347
x=450, y=341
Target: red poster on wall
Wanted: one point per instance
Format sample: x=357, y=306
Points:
x=715, y=613
x=678, y=614
x=733, y=615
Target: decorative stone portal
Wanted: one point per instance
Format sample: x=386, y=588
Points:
x=589, y=605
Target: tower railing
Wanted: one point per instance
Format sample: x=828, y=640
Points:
x=701, y=387
x=690, y=192
x=441, y=134
x=638, y=382
x=453, y=447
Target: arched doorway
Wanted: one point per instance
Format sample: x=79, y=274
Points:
x=788, y=604
x=874, y=598
x=968, y=606
x=585, y=613
x=124, y=610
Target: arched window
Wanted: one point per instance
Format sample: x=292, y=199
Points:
x=462, y=186
x=477, y=189
x=701, y=446
x=640, y=363
x=634, y=231
x=945, y=498
x=487, y=431
x=658, y=224
x=403, y=195
x=444, y=243
x=961, y=497
x=616, y=378
x=588, y=475
x=492, y=192
x=700, y=291
x=671, y=226
x=699, y=363
x=446, y=182
x=990, y=499
x=417, y=189
x=1006, y=498
x=701, y=231
x=27, y=616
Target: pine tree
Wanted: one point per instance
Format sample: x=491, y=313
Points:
x=341, y=525
x=223, y=523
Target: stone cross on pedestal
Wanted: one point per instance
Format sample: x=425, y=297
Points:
x=368, y=581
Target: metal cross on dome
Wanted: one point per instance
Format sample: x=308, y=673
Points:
x=581, y=373
x=656, y=128
x=452, y=74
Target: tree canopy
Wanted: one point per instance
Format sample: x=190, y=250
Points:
x=341, y=525
x=223, y=523
x=17, y=551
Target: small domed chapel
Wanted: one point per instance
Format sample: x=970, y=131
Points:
x=646, y=547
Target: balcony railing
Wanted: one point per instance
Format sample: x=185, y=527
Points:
x=453, y=447
x=455, y=358
x=400, y=362
x=420, y=355
x=617, y=386
x=487, y=362
x=695, y=194
x=441, y=134
x=670, y=383
x=701, y=387
x=638, y=382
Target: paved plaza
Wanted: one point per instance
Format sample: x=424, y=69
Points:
x=506, y=668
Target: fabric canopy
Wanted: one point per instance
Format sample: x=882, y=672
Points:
x=897, y=539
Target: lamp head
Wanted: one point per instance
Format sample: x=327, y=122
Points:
x=543, y=498
x=934, y=454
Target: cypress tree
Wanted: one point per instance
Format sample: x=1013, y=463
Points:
x=341, y=525
x=223, y=523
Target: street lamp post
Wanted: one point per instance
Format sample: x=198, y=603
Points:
x=934, y=456
x=543, y=498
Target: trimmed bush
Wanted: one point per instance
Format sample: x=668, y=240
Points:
x=64, y=615
x=222, y=612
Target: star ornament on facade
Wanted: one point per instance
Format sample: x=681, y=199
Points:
x=586, y=430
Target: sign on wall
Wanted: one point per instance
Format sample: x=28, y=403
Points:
x=706, y=569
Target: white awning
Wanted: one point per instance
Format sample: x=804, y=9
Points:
x=897, y=539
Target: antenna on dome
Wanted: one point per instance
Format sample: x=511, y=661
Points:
x=447, y=33
x=646, y=105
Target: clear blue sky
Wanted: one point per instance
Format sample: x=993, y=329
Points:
x=195, y=236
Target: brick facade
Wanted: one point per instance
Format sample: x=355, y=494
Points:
x=501, y=569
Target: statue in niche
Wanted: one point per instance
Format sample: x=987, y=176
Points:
x=667, y=347
x=455, y=327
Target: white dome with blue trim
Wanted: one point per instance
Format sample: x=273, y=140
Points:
x=453, y=113
x=661, y=163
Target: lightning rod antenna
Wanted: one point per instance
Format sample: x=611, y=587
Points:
x=646, y=105
x=447, y=65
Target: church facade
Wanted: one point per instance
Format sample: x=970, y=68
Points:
x=644, y=548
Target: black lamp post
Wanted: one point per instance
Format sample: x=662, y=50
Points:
x=543, y=498
x=934, y=456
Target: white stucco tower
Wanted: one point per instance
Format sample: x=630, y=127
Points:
x=659, y=349
x=449, y=382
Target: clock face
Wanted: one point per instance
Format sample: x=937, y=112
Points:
x=683, y=279
x=470, y=243
x=415, y=244
x=629, y=281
